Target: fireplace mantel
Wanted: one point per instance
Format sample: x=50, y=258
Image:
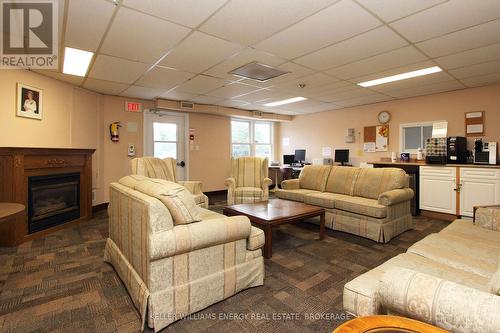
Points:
x=17, y=164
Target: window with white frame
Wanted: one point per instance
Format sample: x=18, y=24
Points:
x=251, y=138
x=413, y=136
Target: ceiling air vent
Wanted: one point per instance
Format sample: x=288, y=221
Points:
x=257, y=71
x=187, y=105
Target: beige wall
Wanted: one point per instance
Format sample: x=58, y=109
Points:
x=328, y=129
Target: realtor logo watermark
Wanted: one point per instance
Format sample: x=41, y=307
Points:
x=29, y=34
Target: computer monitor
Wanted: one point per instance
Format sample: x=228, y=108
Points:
x=288, y=159
x=342, y=156
x=300, y=155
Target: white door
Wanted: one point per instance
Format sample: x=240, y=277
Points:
x=478, y=187
x=164, y=136
x=438, y=189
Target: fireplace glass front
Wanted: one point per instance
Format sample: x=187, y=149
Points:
x=53, y=200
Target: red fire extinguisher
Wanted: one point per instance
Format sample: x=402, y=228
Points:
x=113, y=131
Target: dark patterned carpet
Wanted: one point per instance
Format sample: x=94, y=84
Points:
x=60, y=283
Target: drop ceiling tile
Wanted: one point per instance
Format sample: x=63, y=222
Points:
x=426, y=89
x=244, y=57
x=347, y=94
x=259, y=95
x=476, y=70
x=140, y=37
x=84, y=33
x=312, y=83
x=104, y=87
x=198, y=52
x=413, y=82
x=232, y=103
x=201, y=84
x=186, y=12
x=233, y=90
x=394, y=71
x=396, y=58
x=447, y=17
x=389, y=11
x=332, y=88
x=164, y=78
x=308, y=106
x=116, y=69
x=202, y=99
x=482, y=80
x=142, y=92
x=470, y=57
x=466, y=39
x=376, y=98
x=75, y=80
x=333, y=24
x=371, y=43
x=176, y=95
x=247, y=22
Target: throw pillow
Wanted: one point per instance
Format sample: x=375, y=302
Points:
x=181, y=205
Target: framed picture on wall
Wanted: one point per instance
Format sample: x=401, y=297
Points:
x=29, y=102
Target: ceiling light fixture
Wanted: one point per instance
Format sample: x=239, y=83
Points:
x=402, y=76
x=286, y=101
x=76, y=62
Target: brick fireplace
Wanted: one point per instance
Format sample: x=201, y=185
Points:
x=55, y=184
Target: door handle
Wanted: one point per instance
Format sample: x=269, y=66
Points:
x=182, y=164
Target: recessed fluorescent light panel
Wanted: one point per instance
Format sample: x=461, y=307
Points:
x=286, y=101
x=402, y=76
x=76, y=62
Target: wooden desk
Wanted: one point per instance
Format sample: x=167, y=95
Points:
x=12, y=217
x=390, y=324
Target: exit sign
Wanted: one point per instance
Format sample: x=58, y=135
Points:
x=133, y=107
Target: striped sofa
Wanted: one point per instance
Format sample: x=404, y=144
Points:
x=166, y=169
x=249, y=181
x=372, y=203
x=450, y=279
x=172, y=270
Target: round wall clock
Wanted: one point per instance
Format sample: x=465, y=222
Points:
x=384, y=117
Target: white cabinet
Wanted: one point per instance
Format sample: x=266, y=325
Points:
x=438, y=189
x=478, y=186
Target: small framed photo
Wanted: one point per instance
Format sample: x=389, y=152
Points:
x=29, y=102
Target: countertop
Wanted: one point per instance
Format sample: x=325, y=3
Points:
x=422, y=163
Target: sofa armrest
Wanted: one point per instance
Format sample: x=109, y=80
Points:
x=266, y=182
x=193, y=186
x=487, y=217
x=290, y=184
x=256, y=239
x=446, y=304
x=393, y=197
x=198, y=235
x=230, y=183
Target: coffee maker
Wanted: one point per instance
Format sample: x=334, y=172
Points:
x=485, y=152
x=457, y=149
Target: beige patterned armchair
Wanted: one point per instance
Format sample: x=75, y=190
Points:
x=249, y=180
x=165, y=169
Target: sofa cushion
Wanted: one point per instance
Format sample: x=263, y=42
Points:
x=458, y=252
x=371, y=182
x=363, y=206
x=466, y=229
x=323, y=199
x=313, y=177
x=494, y=283
x=295, y=195
x=181, y=205
x=341, y=180
x=252, y=192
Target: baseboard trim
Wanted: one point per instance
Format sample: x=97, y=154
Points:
x=99, y=207
x=438, y=216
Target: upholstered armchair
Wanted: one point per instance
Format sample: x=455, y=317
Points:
x=165, y=169
x=249, y=180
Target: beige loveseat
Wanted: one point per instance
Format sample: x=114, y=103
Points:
x=450, y=279
x=373, y=203
x=172, y=270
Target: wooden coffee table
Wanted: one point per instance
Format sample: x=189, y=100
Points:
x=274, y=212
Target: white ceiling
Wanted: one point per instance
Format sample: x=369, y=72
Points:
x=183, y=50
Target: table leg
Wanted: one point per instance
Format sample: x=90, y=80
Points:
x=322, y=226
x=268, y=246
